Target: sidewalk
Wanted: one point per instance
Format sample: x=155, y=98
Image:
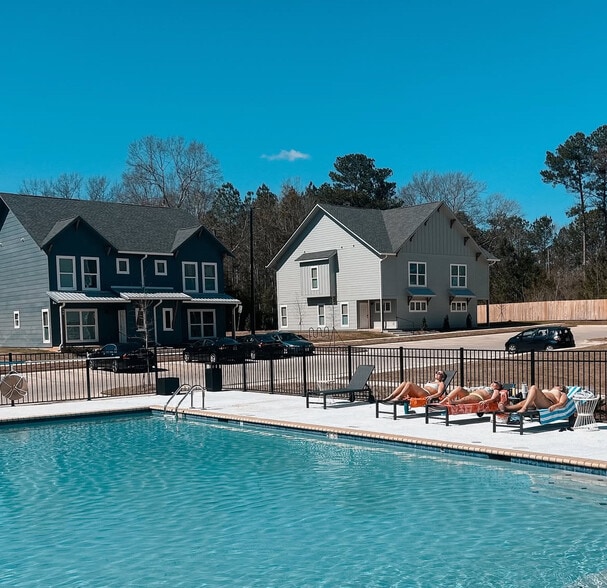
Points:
x=468, y=433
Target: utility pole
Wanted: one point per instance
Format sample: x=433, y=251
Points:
x=252, y=272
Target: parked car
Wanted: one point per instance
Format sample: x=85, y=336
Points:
x=262, y=346
x=544, y=338
x=122, y=356
x=294, y=344
x=214, y=350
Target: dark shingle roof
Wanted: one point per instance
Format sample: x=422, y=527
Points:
x=127, y=227
x=383, y=230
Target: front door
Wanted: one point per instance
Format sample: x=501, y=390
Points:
x=363, y=314
x=122, y=336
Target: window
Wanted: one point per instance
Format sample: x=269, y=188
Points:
x=458, y=276
x=81, y=326
x=160, y=267
x=345, y=315
x=66, y=273
x=321, y=315
x=90, y=273
x=209, y=277
x=122, y=265
x=418, y=306
x=16, y=320
x=140, y=318
x=167, y=319
x=46, y=327
x=314, y=278
x=417, y=273
x=190, y=276
x=201, y=323
x=387, y=306
x=459, y=306
x=283, y=317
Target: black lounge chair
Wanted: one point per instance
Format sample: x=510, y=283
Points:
x=358, y=383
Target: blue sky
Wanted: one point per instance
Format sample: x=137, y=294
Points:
x=277, y=90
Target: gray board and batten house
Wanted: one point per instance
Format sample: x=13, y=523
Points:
x=400, y=269
x=81, y=272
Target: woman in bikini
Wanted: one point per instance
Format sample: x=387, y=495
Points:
x=429, y=390
x=551, y=399
x=481, y=395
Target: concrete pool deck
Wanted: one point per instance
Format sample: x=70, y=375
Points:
x=584, y=449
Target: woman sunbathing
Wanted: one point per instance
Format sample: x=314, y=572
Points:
x=481, y=395
x=429, y=390
x=551, y=399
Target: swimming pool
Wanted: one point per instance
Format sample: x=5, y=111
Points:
x=144, y=501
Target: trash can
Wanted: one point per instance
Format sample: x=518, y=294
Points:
x=212, y=376
x=166, y=386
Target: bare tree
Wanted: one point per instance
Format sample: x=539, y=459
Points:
x=171, y=173
x=64, y=186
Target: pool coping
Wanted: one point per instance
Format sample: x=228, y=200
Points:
x=575, y=464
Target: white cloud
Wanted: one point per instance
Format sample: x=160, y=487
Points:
x=290, y=155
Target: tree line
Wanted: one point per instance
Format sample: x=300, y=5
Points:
x=537, y=260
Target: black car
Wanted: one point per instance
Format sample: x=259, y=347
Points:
x=262, y=346
x=214, y=350
x=121, y=357
x=294, y=344
x=544, y=338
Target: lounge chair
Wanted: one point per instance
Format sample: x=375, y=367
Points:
x=358, y=383
x=444, y=411
x=413, y=402
x=544, y=415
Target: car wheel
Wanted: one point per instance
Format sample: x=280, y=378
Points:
x=213, y=358
x=187, y=357
x=252, y=354
x=115, y=366
x=512, y=348
x=549, y=347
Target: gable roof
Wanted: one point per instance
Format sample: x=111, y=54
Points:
x=126, y=227
x=382, y=231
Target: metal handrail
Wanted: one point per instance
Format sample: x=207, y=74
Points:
x=189, y=391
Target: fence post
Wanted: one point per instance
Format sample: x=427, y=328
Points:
x=462, y=375
x=401, y=364
x=349, y=362
x=532, y=367
x=305, y=376
x=88, y=379
x=272, y=375
x=244, y=376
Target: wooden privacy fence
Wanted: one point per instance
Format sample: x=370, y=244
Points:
x=549, y=310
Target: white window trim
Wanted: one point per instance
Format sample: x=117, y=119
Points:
x=96, y=274
x=346, y=315
x=459, y=306
x=414, y=302
x=161, y=267
x=46, y=325
x=81, y=310
x=213, y=290
x=314, y=269
x=451, y=275
x=167, y=325
x=16, y=319
x=283, y=319
x=418, y=263
x=387, y=306
x=321, y=316
x=126, y=260
x=184, y=277
x=59, y=274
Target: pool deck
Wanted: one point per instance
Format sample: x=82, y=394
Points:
x=579, y=449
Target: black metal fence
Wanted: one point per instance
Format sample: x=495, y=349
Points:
x=53, y=377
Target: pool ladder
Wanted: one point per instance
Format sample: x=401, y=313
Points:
x=187, y=390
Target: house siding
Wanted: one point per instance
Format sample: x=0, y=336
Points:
x=364, y=276
x=23, y=291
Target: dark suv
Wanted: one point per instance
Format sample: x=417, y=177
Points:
x=544, y=338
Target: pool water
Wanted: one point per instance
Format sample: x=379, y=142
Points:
x=146, y=501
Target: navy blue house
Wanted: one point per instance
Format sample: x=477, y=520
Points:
x=80, y=272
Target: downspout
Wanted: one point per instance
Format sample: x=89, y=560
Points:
x=155, y=322
x=61, y=307
x=381, y=295
x=142, y=274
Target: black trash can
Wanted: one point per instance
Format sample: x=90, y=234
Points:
x=166, y=386
x=212, y=376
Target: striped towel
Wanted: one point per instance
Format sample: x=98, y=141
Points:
x=547, y=416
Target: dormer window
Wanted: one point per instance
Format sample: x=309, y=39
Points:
x=190, y=276
x=122, y=265
x=209, y=277
x=160, y=267
x=90, y=273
